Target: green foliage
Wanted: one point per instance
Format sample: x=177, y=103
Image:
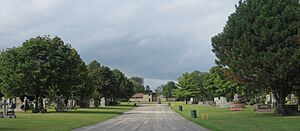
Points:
x=123, y=87
x=252, y=102
x=218, y=85
x=138, y=84
x=168, y=89
x=188, y=85
x=192, y=85
x=41, y=67
x=260, y=44
x=102, y=80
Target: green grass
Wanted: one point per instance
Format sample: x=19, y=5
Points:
x=247, y=120
x=53, y=121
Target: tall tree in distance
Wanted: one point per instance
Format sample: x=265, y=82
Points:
x=187, y=86
x=148, y=89
x=168, y=89
x=123, y=87
x=261, y=45
x=138, y=84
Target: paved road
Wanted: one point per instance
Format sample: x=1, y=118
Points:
x=146, y=118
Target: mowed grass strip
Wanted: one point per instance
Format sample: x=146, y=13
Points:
x=247, y=120
x=63, y=121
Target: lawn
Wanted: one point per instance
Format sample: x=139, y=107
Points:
x=53, y=121
x=226, y=120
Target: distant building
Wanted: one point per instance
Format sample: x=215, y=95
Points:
x=150, y=97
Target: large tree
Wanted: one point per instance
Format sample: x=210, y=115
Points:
x=188, y=86
x=123, y=87
x=41, y=67
x=168, y=89
x=138, y=84
x=261, y=45
x=102, y=80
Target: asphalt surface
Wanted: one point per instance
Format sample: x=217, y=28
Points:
x=146, y=118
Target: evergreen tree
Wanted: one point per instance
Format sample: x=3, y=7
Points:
x=261, y=45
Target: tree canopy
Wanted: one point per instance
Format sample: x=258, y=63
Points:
x=261, y=45
x=41, y=67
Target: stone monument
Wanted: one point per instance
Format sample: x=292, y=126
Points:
x=91, y=103
x=7, y=113
x=102, y=102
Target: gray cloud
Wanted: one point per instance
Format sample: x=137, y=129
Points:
x=154, y=39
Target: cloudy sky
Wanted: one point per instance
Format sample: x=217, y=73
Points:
x=154, y=39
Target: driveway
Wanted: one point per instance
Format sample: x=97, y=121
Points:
x=146, y=118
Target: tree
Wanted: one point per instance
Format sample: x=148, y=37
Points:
x=10, y=82
x=217, y=84
x=261, y=45
x=102, y=80
x=190, y=89
x=198, y=79
x=43, y=67
x=168, y=89
x=159, y=90
x=123, y=87
x=148, y=89
x=138, y=84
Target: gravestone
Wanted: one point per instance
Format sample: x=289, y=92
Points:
x=7, y=113
x=262, y=108
x=25, y=104
x=273, y=100
x=236, y=98
x=191, y=101
x=91, y=103
x=46, y=103
x=223, y=102
x=71, y=103
x=217, y=101
x=294, y=99
x=18, y=104
x=200, y=103
x=102, y=102
x=268, y=99
x=60, y=106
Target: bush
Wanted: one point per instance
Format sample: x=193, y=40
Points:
x=113, y=103
x=252, y=102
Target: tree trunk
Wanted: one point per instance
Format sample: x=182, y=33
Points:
x=186, y=100
x=280, y=103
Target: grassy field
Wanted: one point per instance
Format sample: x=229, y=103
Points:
x=53, y=121
x=226, y=120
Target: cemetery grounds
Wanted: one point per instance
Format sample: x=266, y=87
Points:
x=216, y=119
x=61, y=121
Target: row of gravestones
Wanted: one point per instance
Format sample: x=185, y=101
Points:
x=221, y=102
x=17, y=105
x=92, y=102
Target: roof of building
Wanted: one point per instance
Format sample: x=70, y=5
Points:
x=138, y=95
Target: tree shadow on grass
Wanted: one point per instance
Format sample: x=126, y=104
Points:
x=11, y=129
x=86, y=112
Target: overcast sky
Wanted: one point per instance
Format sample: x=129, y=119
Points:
x=154, y=39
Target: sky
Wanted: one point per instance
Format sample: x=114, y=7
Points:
x=154, y=39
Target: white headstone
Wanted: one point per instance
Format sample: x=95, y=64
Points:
x=191, y=101
x=236, y=97
x=18, y=103
x=200, y=103
x=102, y=102
x=223, y=102
x=268, y=99
x=216, y=99
x=91, y=103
